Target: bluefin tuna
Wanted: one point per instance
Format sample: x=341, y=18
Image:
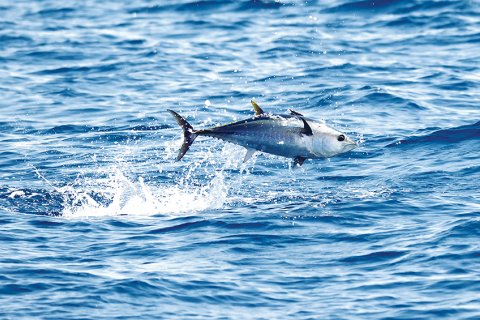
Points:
x=290, y=135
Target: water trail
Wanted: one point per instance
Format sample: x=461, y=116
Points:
x=119, y=194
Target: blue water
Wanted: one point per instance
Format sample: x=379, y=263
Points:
x=97, y=220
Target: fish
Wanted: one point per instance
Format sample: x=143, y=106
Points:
x=287, y=135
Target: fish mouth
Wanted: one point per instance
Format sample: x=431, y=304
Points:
x=350, y=145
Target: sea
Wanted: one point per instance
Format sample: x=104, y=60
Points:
x=98, y=220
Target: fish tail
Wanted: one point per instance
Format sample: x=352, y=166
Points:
x=189, y=134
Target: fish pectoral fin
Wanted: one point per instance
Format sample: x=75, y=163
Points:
x=295, y=113
x=298, y=161
x=256, y=107
x=249, y=154
x=307, y=130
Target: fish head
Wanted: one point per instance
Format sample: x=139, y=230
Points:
x=328, y=142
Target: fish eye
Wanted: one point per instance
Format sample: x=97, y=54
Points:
x=341, y=137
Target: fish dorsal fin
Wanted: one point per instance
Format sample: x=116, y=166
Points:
x=256, y=107
x=307, y=130
x=295, y=113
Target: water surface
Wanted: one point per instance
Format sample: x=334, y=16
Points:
x=98, y=221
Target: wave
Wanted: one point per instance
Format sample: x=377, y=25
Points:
x=56, y=13
x=375, y=257
x=14, y=40
x=76, y=129
x=364, y=5
x=463, y=228
x=439, y=21
x=381, y=98
x=398, y=6
x=210, y=5
x=189, y=6
x=72, y=70
x=261, y=4
x=451, y=135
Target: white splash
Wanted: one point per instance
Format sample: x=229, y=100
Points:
x=118, y=194
x=123, y=196
x=16, y=193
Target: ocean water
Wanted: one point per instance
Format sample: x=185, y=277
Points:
x=97, y=220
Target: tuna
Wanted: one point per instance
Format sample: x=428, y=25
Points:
x=290, y=135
